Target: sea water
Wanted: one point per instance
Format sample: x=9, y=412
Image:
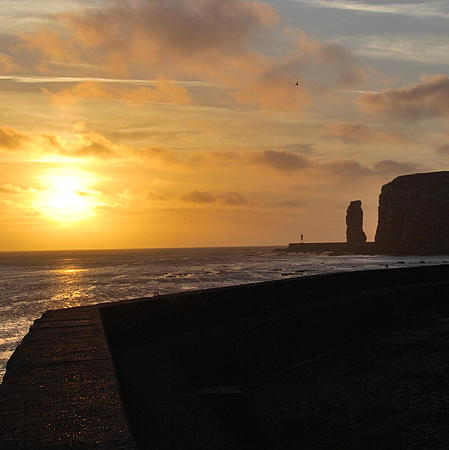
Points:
x=33, y=282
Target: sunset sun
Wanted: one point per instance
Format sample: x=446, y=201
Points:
x=66, y=197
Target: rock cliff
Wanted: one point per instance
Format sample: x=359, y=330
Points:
x=414, y=214
x=354, y=224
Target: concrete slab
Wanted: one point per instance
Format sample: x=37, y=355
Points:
x=60, y=389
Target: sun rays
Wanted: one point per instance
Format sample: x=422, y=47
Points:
x=66, y=196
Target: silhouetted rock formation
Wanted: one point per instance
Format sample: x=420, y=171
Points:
x=414, y=214
x=354, y=224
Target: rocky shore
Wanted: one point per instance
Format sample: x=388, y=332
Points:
x=413, y=219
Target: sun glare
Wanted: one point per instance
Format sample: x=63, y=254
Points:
x=66, y=197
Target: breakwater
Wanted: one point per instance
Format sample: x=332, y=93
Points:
x=173, y=371
x=366, y=248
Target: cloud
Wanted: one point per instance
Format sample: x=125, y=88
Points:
x=316, y=65
x=429, y=8
x=41, y=79
x=299, y=147
x=198, y=197
x=208, y=41
x=47, y=47
x=358, y=133
x=281, y=160
x=443, y=150
x=96, y=145
x=389, y=166
x=11, y=139
x=328, y=62
x=7, y=64
x=228, y=198
x=189, y=38
x=233, y=198
x=155, y=196
x=160, y=156
x=429, y=49
x=352, y=171
x=289, y=204
x=348, y=170
x=430, y=98
x=274, y=92
x=89, y=145
x=162, y=92
x=10, y=189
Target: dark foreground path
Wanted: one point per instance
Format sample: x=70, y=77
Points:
x=60, y=388
x=353, y=360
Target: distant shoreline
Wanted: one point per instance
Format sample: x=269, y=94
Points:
x=343, y=248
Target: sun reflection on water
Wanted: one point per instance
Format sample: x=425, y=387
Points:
x=70, y=286
x=70, y=271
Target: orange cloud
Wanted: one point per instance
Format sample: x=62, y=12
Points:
x=443, y=150
x=198, y=197
x=274, y=93
x=430, y=98
x=281, y=160
x=10, y=189
x=88, y=145
x=7, y=64
x=96, y=145
x=48, y=51
x=11, y=139
x=353, y=171
x=233, y=198
x=202, y=40
x=202, y=197
x=316, y=65
x=185, y=38
x=358, y=133
x=391, y=167
x=163, y=92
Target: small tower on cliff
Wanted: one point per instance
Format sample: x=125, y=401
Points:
x=354, y=224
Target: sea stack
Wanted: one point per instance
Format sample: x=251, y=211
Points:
x=354, y=224
x=414, y=214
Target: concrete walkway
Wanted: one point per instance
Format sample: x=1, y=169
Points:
x=60, y=389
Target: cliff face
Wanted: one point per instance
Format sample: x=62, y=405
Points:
x=414, y=214
x=354, y=223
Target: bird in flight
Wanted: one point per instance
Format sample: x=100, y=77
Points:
x=297, y=83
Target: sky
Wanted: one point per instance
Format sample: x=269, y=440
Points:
x=178, y=123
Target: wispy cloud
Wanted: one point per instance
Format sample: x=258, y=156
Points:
x=32, y=9
x=436, y=8
x=425, y=49
x=359, y=133
x=162, y=92
x=36, y=79
x=11, y=139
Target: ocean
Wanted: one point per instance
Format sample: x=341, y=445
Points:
x=33, y=282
